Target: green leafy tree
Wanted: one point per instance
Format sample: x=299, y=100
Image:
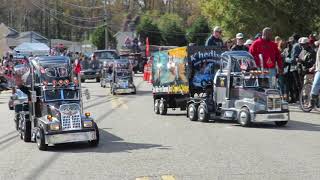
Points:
x=172, y=30
x=98, y=38
x=250, y=16
x=147, y=28
x=199, y=31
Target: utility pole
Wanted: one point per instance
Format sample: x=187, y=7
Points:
x=106, y=26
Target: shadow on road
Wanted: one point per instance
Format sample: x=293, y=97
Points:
x=292, y=125
x=109, y=143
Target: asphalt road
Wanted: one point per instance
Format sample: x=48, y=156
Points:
x=136, y=144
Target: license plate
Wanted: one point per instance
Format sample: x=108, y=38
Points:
x=276, y=116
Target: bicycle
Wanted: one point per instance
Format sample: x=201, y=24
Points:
x=305, y=95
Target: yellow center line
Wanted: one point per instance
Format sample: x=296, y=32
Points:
x=167, y=177
x=142, y=178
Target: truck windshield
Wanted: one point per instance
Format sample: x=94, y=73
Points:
x=61, y=94
x=106, y=55
x=262, y=82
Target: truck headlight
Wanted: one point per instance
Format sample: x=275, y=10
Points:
x=87, y=124
x=285, y=106
x=54, y=127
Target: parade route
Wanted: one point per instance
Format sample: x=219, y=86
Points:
x=136, y=144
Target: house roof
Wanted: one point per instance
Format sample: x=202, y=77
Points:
x=33, y=34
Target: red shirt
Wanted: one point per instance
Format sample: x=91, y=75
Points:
x=270, y=53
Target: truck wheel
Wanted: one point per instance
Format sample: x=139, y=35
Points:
x=97, y=79
x=163, y=109
x=134, y=91
x=156, y=106
x=83, y=80
x=26, y=131
x=244, y=117
x=281, y=123
x=40, y=140
x=192, y=112
x=95, y=143
x=203, y=113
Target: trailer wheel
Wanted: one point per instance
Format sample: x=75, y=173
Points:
x=281, y=123
x=156, y=106
x=244, y=117
x=203, y=113
x=26, y=131
x=163, y=109
x=95, y=143
x=40, y=139
x=192, y=112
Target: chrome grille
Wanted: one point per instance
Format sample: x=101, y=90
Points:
x=70, y=116
x=274, y=102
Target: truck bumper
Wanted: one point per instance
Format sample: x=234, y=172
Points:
x=270, y=117
x=70, y=137
x=124, y=91
x=89, y=76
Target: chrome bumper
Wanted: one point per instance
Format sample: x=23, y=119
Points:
x=129, y=90
x=270, y=117
x=91, y=76
x=70, y=137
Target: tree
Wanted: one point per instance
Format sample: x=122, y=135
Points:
x=251, y=16
x=98, y=38
x=172, y=30
x=198, y=32
x=146, y=28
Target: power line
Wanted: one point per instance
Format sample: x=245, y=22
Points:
x=65, y=22
x=83, y=7
x=75, y=18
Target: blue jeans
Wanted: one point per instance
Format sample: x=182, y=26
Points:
x=272, y=77
x=316, y=84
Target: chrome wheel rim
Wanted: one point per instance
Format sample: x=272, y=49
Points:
x=243, y=117
x=191, y=113
x=201, y=113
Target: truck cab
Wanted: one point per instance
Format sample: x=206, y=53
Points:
x=241, y=92
x=53, y=113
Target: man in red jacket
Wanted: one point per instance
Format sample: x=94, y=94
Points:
x=271, y=58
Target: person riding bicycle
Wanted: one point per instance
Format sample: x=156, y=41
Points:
x=316, y=81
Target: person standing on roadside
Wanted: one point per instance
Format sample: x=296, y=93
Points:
x=267, y=55
x=216, y=38
x=239, y=46
x=316, y=81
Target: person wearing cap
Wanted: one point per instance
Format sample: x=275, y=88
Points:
x=239, y=46
x=248, y=43
x=277, y=39
x=215, y=38
x=271, y=58
x=290, y=71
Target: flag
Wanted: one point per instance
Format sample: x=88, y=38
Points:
x=147, y=47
